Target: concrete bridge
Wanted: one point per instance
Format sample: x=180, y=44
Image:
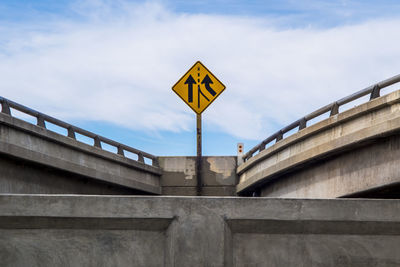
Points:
x=61, y=200
x=354, y=153
x=34, y=159
x=351, y=153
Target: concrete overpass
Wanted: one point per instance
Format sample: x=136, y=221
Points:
x=351, y=153
x=34, y=159
x=61, y=200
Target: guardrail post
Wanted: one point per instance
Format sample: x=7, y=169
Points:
x=262, y=147
x=97, y=142
x=71, y=132
x=376, y=92
x=5, y=108
x=140, y=157
x=40, y=121
x=334, y=109
x=120, y=151
x=155, y=162
x=302, y=124
x=279, y=136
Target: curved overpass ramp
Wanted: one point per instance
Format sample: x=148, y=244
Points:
x=36, y=160
x=352, y=153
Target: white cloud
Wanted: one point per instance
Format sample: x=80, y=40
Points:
x=119, y=63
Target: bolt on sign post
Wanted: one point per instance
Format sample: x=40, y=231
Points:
x=198, y=88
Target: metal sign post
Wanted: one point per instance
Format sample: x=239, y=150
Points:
x=198, y=158
x=198, y=88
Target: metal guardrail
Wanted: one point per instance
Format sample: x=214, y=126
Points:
x=333, y=108
x=7, y=104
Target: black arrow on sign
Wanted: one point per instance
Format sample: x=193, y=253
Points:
x=207, y=80
x=190, y=81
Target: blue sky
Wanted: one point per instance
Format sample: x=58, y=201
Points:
x=108, y=66
x=307, y=12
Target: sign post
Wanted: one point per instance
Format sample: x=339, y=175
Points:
x=199, y=156
x=198, y=88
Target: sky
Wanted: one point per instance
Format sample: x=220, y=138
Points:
x=108, y=66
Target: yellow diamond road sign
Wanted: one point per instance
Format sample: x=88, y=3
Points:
x=198, y=87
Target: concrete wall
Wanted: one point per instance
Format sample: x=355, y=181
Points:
x=179, y=176
x=39, y=230
x=351, y=152
x=42, y=148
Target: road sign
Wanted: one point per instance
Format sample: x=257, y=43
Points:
x=198, y=87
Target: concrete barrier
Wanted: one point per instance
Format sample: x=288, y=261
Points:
x=67, y=230
x=179, y=176
x=348, y=153
x=47, y=153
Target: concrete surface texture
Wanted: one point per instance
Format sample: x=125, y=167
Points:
x=350, y=152
x=33, y=144
x=65, y=230
x=368, y=167
x=179, y=176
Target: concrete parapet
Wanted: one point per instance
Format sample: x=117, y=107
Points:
x=66, y=230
